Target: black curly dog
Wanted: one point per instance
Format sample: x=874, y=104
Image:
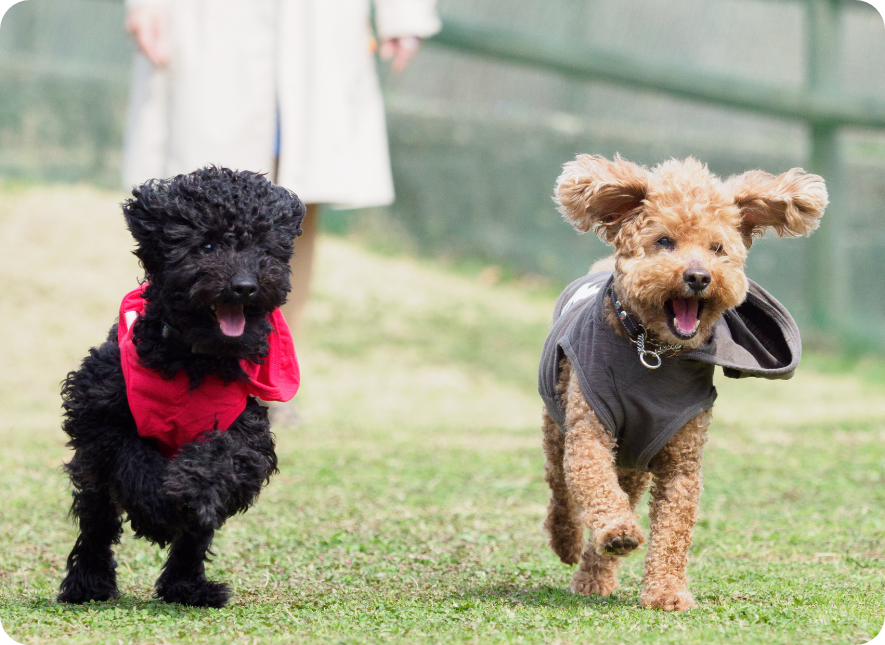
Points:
x=213, y=237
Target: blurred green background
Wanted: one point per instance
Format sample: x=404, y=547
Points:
x=477, y=142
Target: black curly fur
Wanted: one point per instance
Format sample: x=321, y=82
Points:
x=250, y=225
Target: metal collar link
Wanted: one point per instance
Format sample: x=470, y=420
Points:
x=659, y=351
x=638, y=336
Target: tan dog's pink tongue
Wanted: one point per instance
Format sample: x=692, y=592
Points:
x=231, y=319
x=686, y=311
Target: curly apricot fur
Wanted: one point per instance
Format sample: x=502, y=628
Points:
x=711, y=225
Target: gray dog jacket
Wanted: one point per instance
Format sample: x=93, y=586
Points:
x=641, y=407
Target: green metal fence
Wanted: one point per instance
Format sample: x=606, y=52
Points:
x=484, y=118
x=825, y=111
x=64, y=73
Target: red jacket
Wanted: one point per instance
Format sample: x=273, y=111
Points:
x=172, y=414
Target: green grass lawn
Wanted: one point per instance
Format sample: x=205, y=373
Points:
x=411, y=495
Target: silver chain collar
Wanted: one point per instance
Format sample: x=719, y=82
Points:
x=636, y=334
x=657, y=352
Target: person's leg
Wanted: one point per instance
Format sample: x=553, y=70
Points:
x=302, y=261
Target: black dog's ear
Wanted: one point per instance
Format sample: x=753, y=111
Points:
x=143, y=213
x=288, y=215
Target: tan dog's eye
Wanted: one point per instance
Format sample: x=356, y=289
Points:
x=717, y=249
x=667, y=243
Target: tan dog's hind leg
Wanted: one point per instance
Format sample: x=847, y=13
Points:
x=563, y=518
x=592, y=479
x=634, y=483
x=674, y=510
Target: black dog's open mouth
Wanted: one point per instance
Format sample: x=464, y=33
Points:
x=230, y=319
x=684, y=316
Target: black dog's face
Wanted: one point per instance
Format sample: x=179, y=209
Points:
x=215, y=246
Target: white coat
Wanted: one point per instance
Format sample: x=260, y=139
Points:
x=234, y=65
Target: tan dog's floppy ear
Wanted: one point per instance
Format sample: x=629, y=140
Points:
x=791, y=204
x=595, y=193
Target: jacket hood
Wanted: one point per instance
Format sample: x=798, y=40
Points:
x=757, y=338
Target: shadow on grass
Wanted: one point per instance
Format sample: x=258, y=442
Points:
x=124, y=602
x=543, y=596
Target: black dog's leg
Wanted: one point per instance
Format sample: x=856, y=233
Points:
x=138, y=477
x=91, y=568
x=183, y=580
x=211, y=480
x=96, y=411
x=223, y=474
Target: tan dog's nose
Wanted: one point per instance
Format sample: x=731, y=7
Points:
x=697, y=278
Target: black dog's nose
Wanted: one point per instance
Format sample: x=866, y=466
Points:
x=697, y=278
x=244, y=286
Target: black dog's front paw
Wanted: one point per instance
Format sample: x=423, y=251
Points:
x=195, y=593
x=192, y=483
x=78, y=588
x=206, y=510
x=223, y=474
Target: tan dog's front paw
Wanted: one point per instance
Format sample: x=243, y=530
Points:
x=585, y=584
x=668, y=600
x=618, y=538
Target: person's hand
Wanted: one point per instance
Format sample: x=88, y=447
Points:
x=147, y=26
x=399, y=51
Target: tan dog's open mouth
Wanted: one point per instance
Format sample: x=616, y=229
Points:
x=684, y=316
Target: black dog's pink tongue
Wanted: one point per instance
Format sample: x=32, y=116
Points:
x=231, y=319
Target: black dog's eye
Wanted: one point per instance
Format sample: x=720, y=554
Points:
x=717, y=249
x=667, y=243
x=206, y=247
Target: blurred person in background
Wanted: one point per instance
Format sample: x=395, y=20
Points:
x=287, y=87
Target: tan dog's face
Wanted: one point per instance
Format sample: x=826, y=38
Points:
x=681, y=234
x=680, y=262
